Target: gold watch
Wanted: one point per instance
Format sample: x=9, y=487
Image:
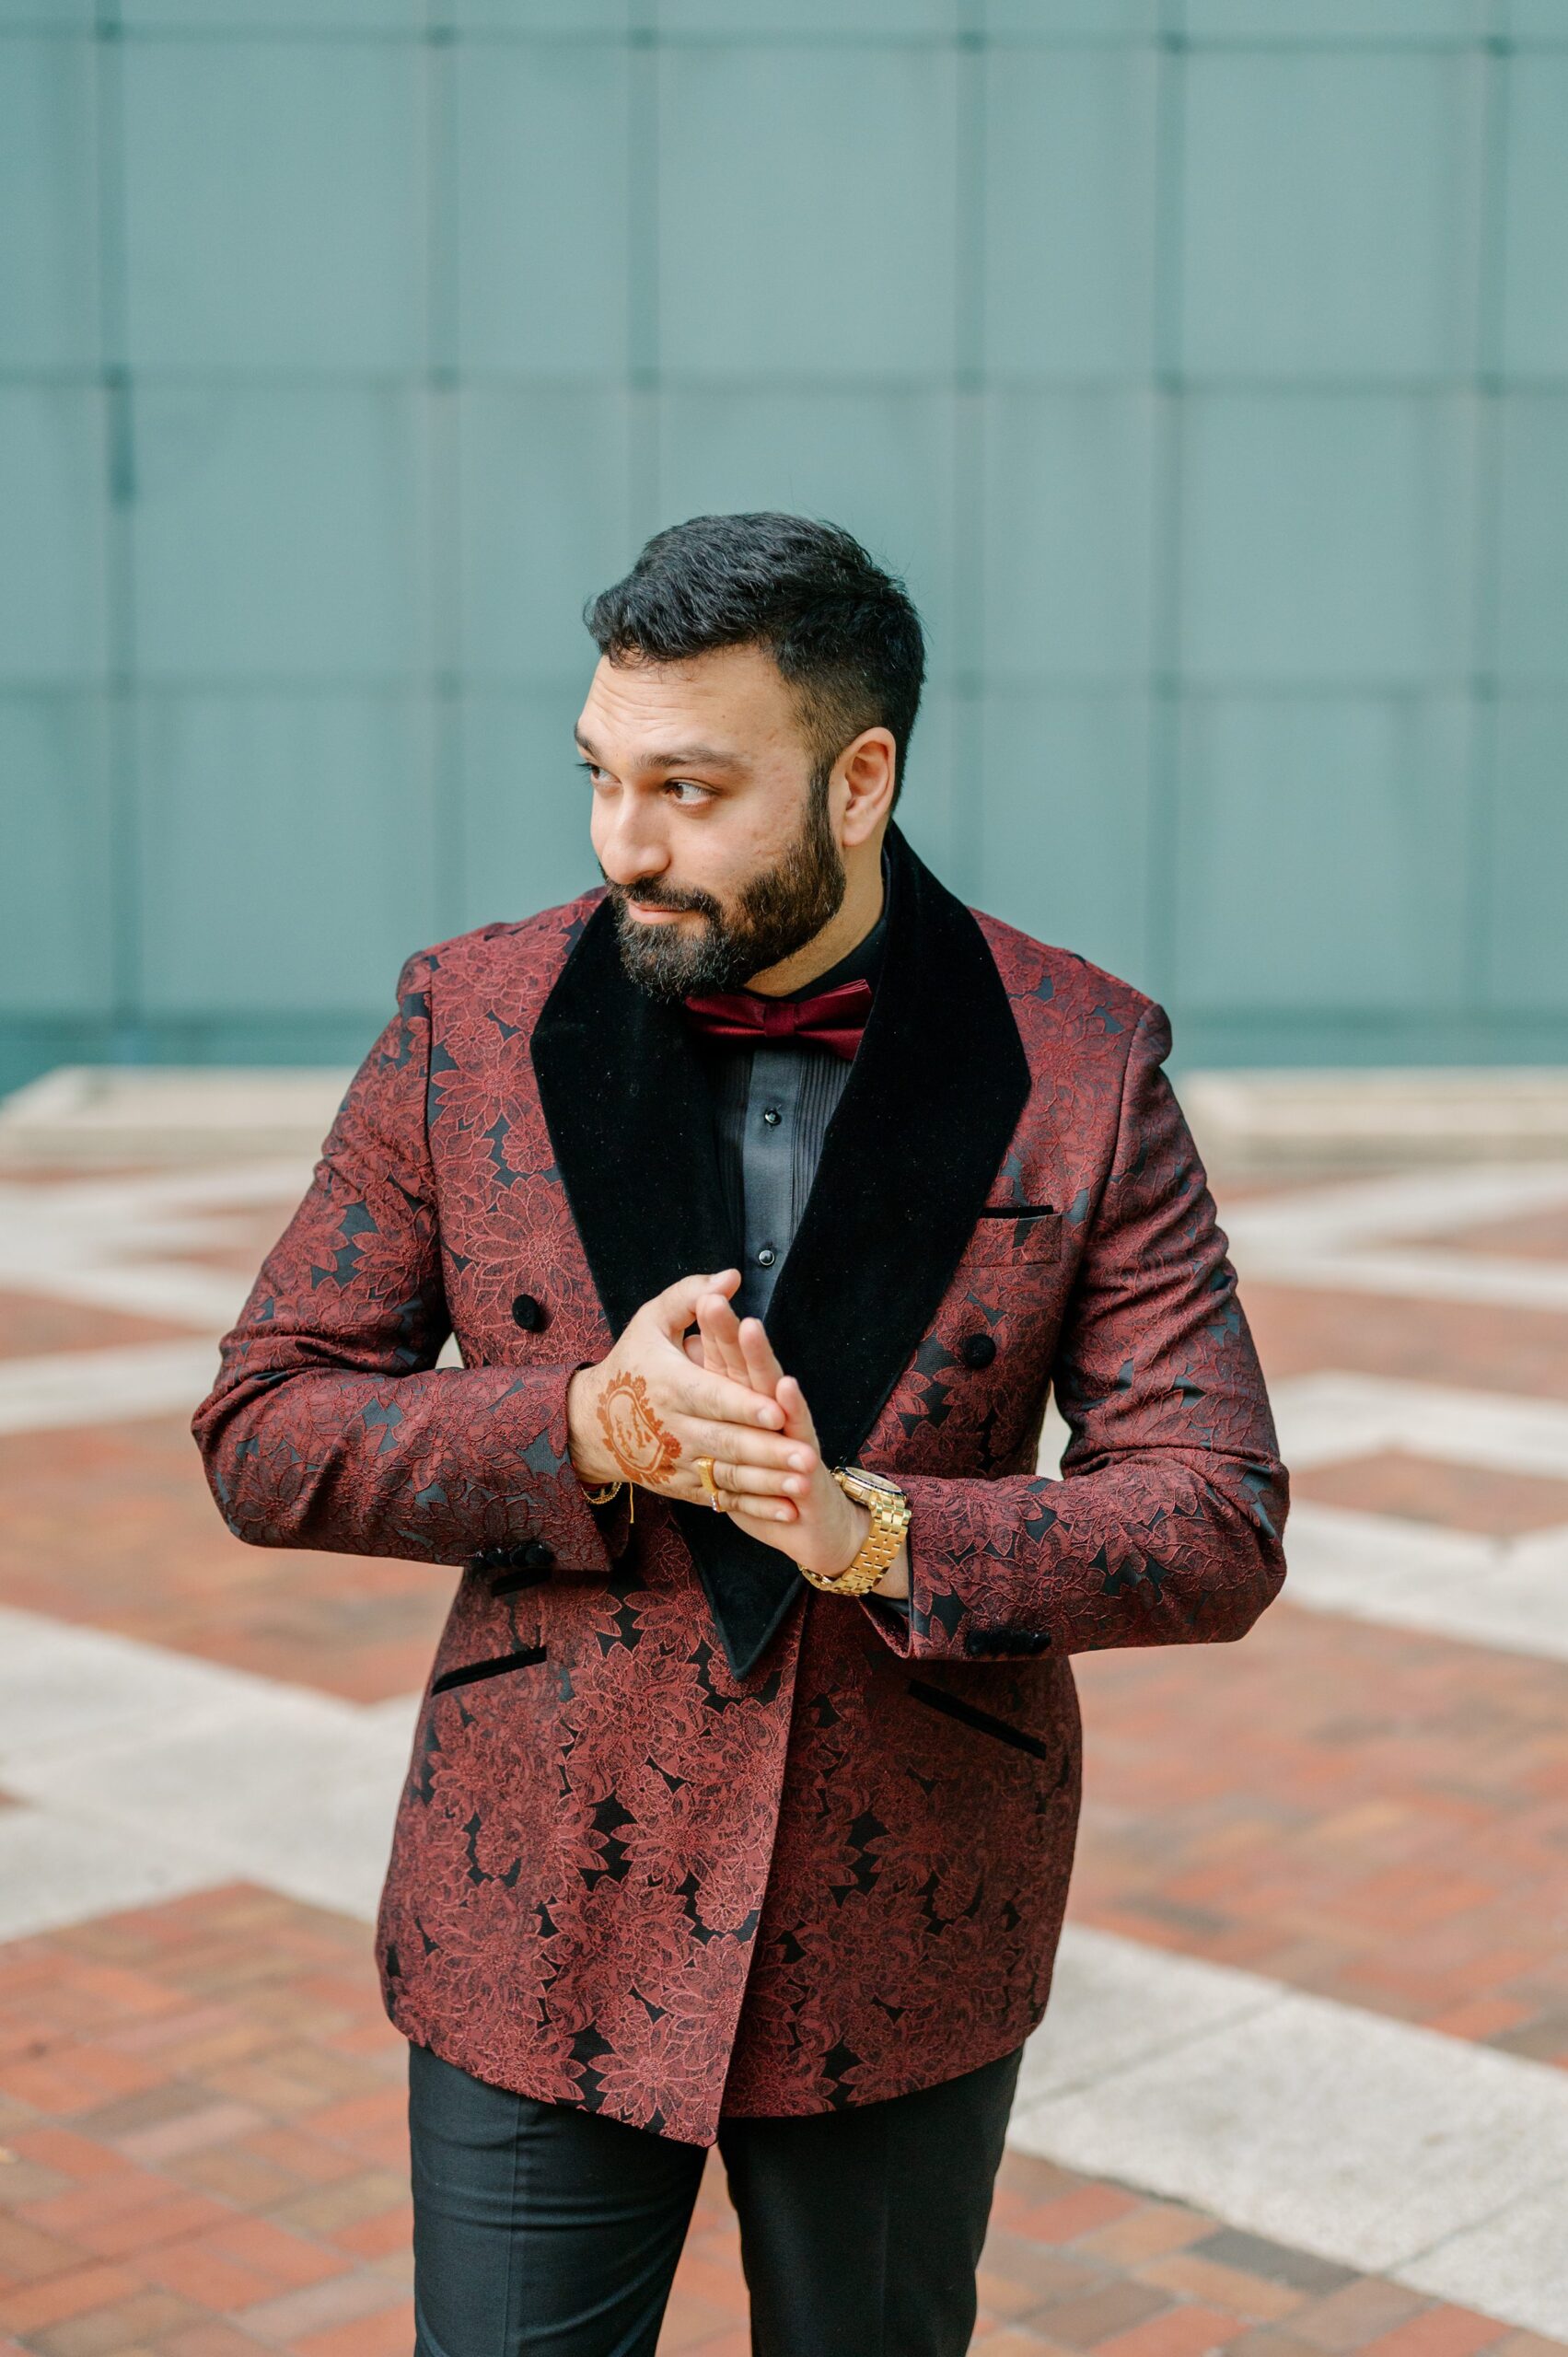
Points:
x=890, y=1512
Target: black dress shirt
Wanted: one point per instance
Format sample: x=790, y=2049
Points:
x=771, y=1106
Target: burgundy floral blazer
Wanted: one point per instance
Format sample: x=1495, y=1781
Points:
x=681, y=1835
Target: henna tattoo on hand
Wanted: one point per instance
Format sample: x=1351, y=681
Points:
x=640, y=1444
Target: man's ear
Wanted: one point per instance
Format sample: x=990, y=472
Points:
x=867, y=767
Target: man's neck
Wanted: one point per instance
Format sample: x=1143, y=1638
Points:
x=858, y=911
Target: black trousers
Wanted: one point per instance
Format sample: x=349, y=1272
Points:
x=542, y=2228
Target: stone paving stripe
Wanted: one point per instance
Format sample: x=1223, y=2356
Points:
x=1396, y=1208
x=1352, y=1237
x=1525, y=2242
x=1480, y=1279
x=280, y=1784
x=1508, y=1593
x=69, y=1388
x=56, y=1868
x=1366, y=2141
x=1327, y=1418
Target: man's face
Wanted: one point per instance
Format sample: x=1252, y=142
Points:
x=713, y=837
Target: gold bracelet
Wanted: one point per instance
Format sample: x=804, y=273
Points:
x=602, y=1497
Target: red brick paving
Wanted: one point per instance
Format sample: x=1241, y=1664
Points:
x=1532, y=1235
x=144, y=1552
x=31, y=1325
x=1520, y=1351
x=280, y=2217
x=203, y=2105
x=1392, y=1782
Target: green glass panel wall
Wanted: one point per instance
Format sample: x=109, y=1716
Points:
x=1202, y=364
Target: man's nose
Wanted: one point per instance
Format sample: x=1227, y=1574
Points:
x=632, y=847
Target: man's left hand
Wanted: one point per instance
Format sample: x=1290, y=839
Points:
x=801, y=1511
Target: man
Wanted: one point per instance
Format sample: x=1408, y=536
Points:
x=768, y=1190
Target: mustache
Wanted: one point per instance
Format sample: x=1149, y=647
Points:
x=654, y=896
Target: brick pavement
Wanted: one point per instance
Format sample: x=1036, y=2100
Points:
x=1430, y=1341
x=1373, y=1814
x=140, y=1548
x=201, y=2102
x=203, y=2127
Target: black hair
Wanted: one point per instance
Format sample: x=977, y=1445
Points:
x=843, y=632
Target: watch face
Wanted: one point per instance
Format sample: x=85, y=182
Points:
x=872, y=1480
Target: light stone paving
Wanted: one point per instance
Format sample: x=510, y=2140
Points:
x=1330, y=1417
x=1383, y=2146
x=116, y=1243
x=1511, y=1593
x=1366, y=1237
x=195, y=1764
x=1404, y=1113
x=1336, y=2131
x=62, y=1389
x=168, y=1113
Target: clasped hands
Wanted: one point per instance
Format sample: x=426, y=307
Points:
x=663, y=1397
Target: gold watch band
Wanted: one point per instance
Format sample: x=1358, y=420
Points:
x=890, y=1512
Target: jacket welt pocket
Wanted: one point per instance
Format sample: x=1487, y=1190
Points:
x=1017, y=1232
x=473, y=1670
x=936, y=1698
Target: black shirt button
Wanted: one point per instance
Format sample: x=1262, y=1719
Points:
x=533, y=1556
x=766, y=1255
x=978, y=1350
x=772, y=1115
x=530, y=1313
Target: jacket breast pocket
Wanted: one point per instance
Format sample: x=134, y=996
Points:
x=1016, y=1235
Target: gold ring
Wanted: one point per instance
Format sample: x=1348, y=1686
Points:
x=705, y=1470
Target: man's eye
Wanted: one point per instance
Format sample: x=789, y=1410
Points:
x=683, y=785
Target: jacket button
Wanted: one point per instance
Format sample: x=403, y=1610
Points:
x=533, y=1555
x=978, y=1350
x=530, y=1313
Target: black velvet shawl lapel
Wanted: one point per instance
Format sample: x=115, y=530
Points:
x=932, y=1101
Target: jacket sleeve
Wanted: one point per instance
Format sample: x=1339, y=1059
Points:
x=1165, y=1526
x=329, y=1424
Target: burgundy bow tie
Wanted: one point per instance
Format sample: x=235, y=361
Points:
x=832, y=1018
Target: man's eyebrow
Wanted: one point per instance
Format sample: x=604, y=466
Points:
x=679, y=757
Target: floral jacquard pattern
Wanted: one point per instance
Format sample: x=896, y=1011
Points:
x=622, y=1878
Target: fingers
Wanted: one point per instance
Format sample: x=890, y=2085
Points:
x=720, y=1331
x=759, y=1510
x=718, y=1399
x=677, y=1305
x=754, y=1481
x=797, y=1415
x=761, y=1367
x=737, y=1444
x=767, y=1503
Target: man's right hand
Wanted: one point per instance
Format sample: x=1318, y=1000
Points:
x=647, y=1411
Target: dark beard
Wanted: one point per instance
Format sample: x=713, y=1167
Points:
x=776, y=914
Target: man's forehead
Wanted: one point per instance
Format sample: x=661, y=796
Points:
x=714, y=708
